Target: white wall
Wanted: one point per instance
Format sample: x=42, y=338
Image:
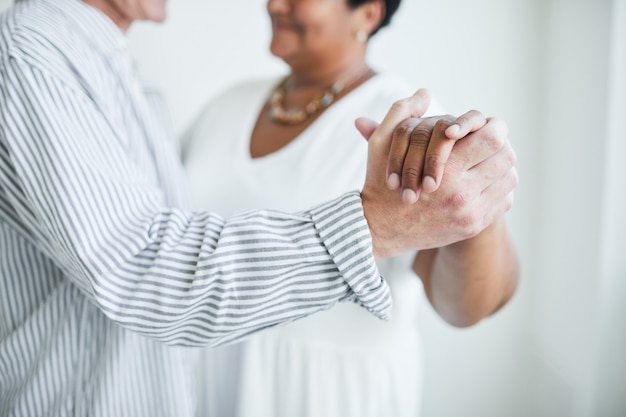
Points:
x=608, y=380
x=576, y=338
x=555, y=71
x=575, y=329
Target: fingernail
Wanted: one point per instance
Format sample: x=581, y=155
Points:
x=409, y=196
x=429, y=184
x=453, y=130
x=393, y=181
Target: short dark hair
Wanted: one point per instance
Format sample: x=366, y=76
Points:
x=391, y=6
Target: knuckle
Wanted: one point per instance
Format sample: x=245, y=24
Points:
x=508, y=204
x=494, y=139
x=499, y=126
x=458, y=199
x=511, y=157
x=470, y=224
x=471, y=118
x=514, y=177
x=410, y=173
x=402, y=106
x=443, y=123
x=394, y=162
x=475, y=114
x=495, y=134
x=475, y=229
x=404, y=129
x=433, y=162
x=421, y=136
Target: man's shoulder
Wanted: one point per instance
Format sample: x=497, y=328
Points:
x=28, y=24
x=39, y=37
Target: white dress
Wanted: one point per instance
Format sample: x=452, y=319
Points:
x=342, y=362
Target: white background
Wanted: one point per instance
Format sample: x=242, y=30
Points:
x=555, y=70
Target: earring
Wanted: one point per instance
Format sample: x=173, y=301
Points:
x=361, y=36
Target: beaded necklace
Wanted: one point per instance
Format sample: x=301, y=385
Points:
x=294, y=115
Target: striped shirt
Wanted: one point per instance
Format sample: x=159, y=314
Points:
x=105, y=278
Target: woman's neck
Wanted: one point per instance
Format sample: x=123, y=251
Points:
x=298, y=99
x=319, y=78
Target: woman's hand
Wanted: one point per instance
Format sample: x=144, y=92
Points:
x=420, y=149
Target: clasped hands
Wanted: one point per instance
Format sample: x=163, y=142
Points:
x=434, y=181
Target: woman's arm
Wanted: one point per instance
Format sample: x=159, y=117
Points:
x=469, y=280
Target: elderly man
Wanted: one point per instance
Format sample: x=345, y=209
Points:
x=104, y=273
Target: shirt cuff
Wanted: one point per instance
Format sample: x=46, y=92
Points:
x=343, y=229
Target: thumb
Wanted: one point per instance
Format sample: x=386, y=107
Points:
x=365, y=126
x=379, y=142
x=422, y=99
x=413, y=106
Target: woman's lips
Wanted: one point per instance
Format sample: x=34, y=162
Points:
x=279, y=25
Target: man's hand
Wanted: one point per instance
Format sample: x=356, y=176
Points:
x=474, y=189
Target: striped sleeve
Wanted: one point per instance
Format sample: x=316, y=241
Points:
x=184, y=278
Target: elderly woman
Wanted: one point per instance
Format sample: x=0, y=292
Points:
x=292, y=143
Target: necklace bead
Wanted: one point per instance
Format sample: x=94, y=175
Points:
x=294, y=115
